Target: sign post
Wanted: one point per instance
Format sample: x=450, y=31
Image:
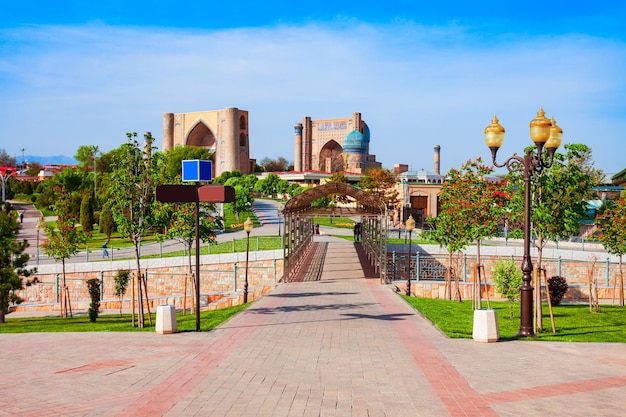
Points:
x=195, y=171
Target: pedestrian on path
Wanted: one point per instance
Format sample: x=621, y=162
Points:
x=105, y=252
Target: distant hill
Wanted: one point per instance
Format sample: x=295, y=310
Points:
x=54, y=160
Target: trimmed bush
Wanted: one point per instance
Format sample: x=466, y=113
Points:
x=558, y=288
x=94, y=292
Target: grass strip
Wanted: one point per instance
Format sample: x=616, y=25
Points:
x=114, y=322
x=573, y=322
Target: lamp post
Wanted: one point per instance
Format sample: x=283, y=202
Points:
x=247, y=226
x=4, y=177
x=410, y=225
x=545, y=134
x=40, y=223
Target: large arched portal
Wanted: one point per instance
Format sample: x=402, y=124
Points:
x=331, y=157
x=201, y=136
x=299, y=213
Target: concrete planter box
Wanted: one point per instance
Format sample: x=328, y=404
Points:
x=485, y=326
x=166, y=319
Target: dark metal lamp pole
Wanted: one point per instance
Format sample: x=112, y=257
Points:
x=410, y=225
x=544, y=133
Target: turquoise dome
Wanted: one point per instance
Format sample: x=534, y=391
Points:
x=355, y=142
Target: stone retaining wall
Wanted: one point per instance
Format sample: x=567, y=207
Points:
x=168, y=281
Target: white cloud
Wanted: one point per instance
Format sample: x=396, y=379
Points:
x=415, y=86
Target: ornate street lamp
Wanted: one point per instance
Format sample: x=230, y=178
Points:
x=545, y=134
x=247, y=226
x=410, y=225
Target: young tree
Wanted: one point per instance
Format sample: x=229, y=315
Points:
x=224, y=176
x=7, y=160
x=381, y=182
x=85, y=155
x=558, y=204
x=472, y=207
x=86, y=212
x=268, y=186
x=508, y=279
x=13, y=261
x=133, y=204
x=611, y=222
x=106, y=224
x=64, y=240
x=274, y=165
x=173, y=159
x=33, y=169
x=121, y=285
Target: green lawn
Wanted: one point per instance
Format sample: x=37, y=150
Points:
x=114, y=322
x=574, y=322
x=257, y=243
x=340, y=222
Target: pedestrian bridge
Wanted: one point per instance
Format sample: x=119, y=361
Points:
x=304, y=249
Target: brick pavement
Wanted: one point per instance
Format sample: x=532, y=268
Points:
x=340, y=346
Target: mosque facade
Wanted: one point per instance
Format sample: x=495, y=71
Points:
x=223, y=132
x=333, y=145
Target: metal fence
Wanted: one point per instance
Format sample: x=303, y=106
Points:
x=427, y=267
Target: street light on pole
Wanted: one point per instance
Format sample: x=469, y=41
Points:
x=410, y=225
x=4, y=176
x=40, y=224
x=545, y=134
x=247, y=226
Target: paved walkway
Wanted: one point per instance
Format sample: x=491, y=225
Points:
x=340, y=346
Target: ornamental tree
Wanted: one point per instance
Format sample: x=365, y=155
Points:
x=133, y=201
x=611, y=222
x=243, y=187
x=13, y=261
x=558, y=202
x=472, y=207
x=381, y=183
x=64, y=240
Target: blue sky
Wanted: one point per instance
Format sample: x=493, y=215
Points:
x=421, y=73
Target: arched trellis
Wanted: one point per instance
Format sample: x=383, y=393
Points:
x=298, y=215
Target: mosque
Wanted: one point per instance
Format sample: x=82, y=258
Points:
x=333, y=145
x=223, y=132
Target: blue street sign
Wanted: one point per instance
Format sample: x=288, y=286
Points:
x=197, y=170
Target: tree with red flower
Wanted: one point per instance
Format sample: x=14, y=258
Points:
x=611, y=222
x=472, y=207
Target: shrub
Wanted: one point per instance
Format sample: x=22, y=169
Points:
x=94, y=292
x=121, y=285
x=558, y=288
x=508, y=279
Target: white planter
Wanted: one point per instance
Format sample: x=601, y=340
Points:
x=485, y=326
x=166, y=319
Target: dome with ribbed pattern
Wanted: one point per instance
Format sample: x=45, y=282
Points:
x=355, y=142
